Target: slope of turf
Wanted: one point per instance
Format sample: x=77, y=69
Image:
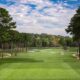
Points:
x=41, y=64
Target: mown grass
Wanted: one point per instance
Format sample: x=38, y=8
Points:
x=41, y=64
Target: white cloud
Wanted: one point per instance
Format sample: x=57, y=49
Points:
x=52, y=20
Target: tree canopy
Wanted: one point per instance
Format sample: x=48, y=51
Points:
x=6, y=25
x=74, y=28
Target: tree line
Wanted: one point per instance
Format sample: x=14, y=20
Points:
x=12, y=40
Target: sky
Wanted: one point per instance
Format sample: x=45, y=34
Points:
x=41, y=16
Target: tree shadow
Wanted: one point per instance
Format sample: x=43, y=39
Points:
x=19, y=60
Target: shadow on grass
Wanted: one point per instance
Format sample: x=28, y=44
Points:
x=19, y=60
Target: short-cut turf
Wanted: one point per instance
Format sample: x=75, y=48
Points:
x=41, y=64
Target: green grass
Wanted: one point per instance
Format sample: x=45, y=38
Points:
x=41, y=64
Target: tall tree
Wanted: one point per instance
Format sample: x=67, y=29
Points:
x=6, y=25
x=74, y=27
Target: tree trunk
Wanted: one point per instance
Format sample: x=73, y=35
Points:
x=11, y=48
x=79, y=50
x=2, y=51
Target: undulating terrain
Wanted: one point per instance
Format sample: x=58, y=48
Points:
x=41, y=64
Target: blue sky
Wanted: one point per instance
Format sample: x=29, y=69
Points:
x=41, y=16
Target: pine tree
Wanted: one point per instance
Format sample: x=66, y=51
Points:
x=74, y=27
